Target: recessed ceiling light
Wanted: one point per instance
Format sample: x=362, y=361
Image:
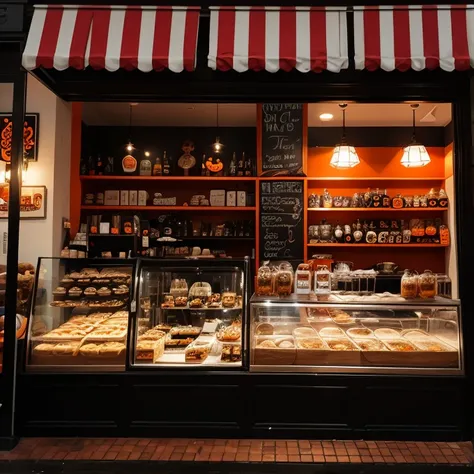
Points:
x=326, y=117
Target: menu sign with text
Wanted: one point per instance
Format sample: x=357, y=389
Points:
x=281, y=220
x=282, y=139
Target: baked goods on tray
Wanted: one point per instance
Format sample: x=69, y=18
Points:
x=331, y=332
x=180, y=332
x=163, y=327
x=342, y=318
x=432, y=346
x=264, y=329
x=304, y=332
x=285, y=344
x=399, y=345
x=178, y=343
x=415, y=334
x=312, y=343
x=267, y=344
x=231, y=353
x=197, y=351
x=149, y=351
x=229, y=334
x=360, y=333
x=152, y=335
x=369, y=345
x=341, y=345
x=387, y=333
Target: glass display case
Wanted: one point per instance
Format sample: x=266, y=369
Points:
x=370, y=335
x=80, y=314
x=190, y=313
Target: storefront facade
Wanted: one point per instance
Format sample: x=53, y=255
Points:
x=354, y=66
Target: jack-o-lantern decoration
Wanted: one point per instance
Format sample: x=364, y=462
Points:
x=398, y=202
x=216, y=167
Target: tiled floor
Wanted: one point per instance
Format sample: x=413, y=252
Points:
x=240, y=450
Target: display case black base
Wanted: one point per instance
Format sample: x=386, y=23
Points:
x=157, y=467
x=7, y=443
x=243, y=405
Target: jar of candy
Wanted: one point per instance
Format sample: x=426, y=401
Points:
x=409, y=284
x=264, y=285
x=428, y=284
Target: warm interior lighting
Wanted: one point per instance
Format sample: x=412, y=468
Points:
x=129, y=147
x=147, y=154
x=344, y=156
x=326, y=117
x=415, y=154
x=217, y=146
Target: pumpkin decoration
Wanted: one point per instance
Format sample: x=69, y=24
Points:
x=129, y=164
x=216, y=167
x=398, y=202
x=376, y=200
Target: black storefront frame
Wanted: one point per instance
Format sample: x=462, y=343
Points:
x=110, y=404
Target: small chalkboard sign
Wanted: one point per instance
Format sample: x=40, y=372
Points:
x=282, y=139
x=281, y=220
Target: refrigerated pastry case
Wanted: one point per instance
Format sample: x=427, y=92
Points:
x=381, y=335
x=190, y=313
x=79, y=316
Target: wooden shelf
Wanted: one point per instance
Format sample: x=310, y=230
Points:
x=168, y=208
x=382, y=246
x=168, y=178
x=377, y=209
x=380, y=178
x=111, y=235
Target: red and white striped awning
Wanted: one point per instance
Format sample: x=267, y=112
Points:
x=274, y=38
x=113, y=37
x=417, y=37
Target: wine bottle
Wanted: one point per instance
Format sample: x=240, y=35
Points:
x=233, y=166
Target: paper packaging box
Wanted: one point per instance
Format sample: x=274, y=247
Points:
x=104, y=228
x=124, y=195
x=112, y=198
x=133, y=200
x=241, y=198
x=142, y=197
x=217, y=197
x=231, y=198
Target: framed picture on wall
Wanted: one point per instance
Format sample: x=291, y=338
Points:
x=30, y=136
x=32, y=202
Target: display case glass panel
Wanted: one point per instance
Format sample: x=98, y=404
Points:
x=80, y=314
x=297, y=334
x=190, y=315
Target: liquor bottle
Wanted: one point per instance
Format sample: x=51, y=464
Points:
x=233, y=166
x=248, y=167
x=91, y=166
x=99, y=169
x=109, y=167
x=166, y=165
x=83, y=167
x=203, y=165
x=338, y=233
x=241, y=165
x=157, y=169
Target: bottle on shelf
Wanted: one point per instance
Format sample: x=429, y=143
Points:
x=203, y=165
x=99, y=168
x=248, y=167
x=166, y=165
x=233, y=166
x=83, y=167
x=91, y=166
x=241, y=165
x=157, y=168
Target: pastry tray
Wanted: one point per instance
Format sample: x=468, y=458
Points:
x=274, y=356
x=103, y=337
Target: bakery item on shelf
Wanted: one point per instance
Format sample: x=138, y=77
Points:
x=195, y=303
x=44, y=349
x=102, y=281
x=369, y=345
x=163, y=327
x=213, y=304
x=104, y=291
x=184, y=332
x=111, y=349
x=67, y=282
x=119, y=315
x=267, y=344
x=331, y=332
x=231, y=353
x=286, y=345
x=59, y=293
x=121, y=290
x=152, y=335
x=264, y=329
x=180, y=301
x=229, y=334
x=75, y=291
x=197, y=352
x=399, y=345
x=342, y=318
x=65, y=349
x=214, y=298
x=341, y=345
x=98, y=316
x=175, y=343
x=90, y=291
x=228, y=299
x=89, y=350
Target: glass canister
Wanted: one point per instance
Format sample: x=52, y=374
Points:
x=179, y=288
x=428, y=284
x=303, y=279
x=284, y=281
x=409, y=284
x=322, y=280
x=264, y=285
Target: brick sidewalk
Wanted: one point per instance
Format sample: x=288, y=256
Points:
x=241, y=450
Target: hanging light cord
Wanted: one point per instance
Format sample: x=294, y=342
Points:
x=130, y=126
x=343, y=138
x=413, y=137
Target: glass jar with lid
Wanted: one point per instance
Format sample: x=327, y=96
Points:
x=264, y=286
x=428, y=285
x=303, y=279
x=179, y=288
x=409, y=284
x=284, y=280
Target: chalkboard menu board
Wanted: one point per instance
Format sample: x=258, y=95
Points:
x=281, y=220
x=282, y=139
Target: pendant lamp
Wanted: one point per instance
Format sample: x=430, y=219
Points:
x=415, y=154
x=344, y=156
x=217, y=145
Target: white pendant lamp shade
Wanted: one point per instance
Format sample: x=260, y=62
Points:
x=344, y=156
x=415, y=156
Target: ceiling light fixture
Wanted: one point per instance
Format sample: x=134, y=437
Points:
x=344, y=156
x=217, y=145
x=326, y=117
x=415, y=154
